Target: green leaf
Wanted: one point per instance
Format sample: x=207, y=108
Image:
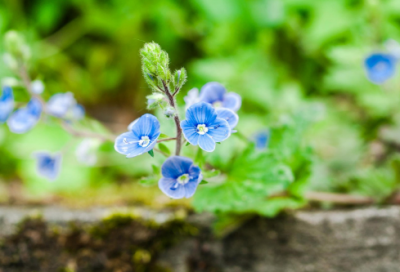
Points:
x=156, y=169
x=151, y=152
x=218, y=142
x=163, y=136
x=203, y=182
x=187, y=144
x=164, y=148
x=211, y=174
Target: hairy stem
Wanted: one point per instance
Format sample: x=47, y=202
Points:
x=171, y=100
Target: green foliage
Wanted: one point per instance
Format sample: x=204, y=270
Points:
x=264, y=182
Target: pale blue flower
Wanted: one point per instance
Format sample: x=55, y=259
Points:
x=180, y=177
x=380, y=67
x=64, y=105
x=262, y=139
x=141, y=139
x=229, y=115
x=48, y=165
x=215, y=94
x=24, y=119
x=202, y=126
x=6, y=104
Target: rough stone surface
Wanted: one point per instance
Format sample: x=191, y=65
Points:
x=359, y=240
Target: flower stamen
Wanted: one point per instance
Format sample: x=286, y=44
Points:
x=202, y=129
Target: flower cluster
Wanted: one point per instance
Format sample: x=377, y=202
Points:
x=210, y=118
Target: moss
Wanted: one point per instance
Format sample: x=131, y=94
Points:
x=121, y=242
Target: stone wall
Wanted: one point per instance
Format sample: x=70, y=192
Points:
x=366, y=240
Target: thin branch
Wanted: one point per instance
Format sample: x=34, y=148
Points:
x=86, y=134
x=28, y=85
x=176, y=91
x=166, y=139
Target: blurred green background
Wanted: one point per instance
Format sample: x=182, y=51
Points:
x=280, y=55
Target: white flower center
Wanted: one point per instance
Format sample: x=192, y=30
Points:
x=183, y=179
x=144, y=141
x=217, y=104
x=202, y=129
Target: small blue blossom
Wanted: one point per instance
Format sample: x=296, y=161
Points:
x=48, y=165
x=380, y=67
x=63, y=105
x=191, y=98
x=6, y=103
x=229, y=115
x=24, y=119
x=261, y=139
x=215, y=94
x=142, y=137
x=202, y=126
x=180, y=177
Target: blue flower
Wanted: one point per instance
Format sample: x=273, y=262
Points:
x=63, y=105
x=141, y=139
x=229, y=115
x=180, y=177
x=215, y=94
x=6, y=104
x=24, y=119
x=261, y=139
x=380, y=67
x=202, y=126
x=48, y=165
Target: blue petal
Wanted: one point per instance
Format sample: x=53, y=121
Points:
x=201, y=113
x=219, y=130
x=48, y=165
x=59, y=104
x=212, y=92
x=6, y=104
x=34, y=107
x=262, y=139
x=229, y=115
x=192, y=97
x=176, y=166
x=206, y=143
x=147, y=125
x=78, y=112
x=128, y=144
x=194, y=172
x=171, y=188
x=380, y=67
x=24, y=119
x=232, y=101
x=190, y=132
x=191, y=186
